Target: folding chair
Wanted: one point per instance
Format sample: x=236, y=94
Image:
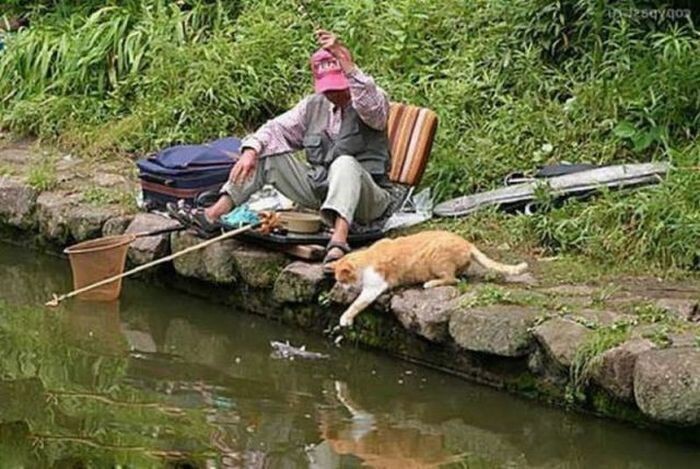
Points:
x=411, y=131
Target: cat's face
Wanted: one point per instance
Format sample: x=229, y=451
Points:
x=345, y=272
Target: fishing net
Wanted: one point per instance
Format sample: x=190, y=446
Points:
x=98, y=259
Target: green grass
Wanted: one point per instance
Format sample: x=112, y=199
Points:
x=100, y=196
x=42, y=174
x=487, y=296
x=6, y=170
x=516, y=84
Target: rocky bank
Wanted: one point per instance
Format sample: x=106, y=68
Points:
x=630, y=351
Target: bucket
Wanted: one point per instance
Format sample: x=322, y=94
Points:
x=300, y=222
x=98, y=259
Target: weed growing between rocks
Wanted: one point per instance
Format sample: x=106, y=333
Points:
x=42, y=174
x=602, y=339
x=6, y=170
x=100, y=196
x=487, y=296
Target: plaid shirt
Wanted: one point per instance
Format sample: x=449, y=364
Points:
x=285, y=133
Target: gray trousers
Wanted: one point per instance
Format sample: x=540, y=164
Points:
x=352, y=193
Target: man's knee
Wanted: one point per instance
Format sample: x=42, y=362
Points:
x=345, y=165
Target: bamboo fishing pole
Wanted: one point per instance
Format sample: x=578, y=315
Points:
x=304, y=11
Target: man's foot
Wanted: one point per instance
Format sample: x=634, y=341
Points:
x=221, y=207
x=334, y=251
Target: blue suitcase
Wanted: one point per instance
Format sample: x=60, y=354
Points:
x=185, y=171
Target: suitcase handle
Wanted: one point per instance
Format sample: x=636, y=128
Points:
x=156, y=179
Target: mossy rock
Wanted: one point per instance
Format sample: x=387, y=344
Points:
x=215, y=263
x=258, y=268
x=499, y=329
x=18, y=203
x=299, y=282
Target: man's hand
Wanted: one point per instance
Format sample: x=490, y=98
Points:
x=244, y=167
x=332, y=44
x=327, y=40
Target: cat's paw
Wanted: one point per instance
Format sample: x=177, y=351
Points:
x=345, y=321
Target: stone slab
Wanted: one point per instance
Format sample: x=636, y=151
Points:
x=561, y=338
x=667, y=385
x=116, y=225
x=18, y=203
x=213, y=263
x=258, y=267
x=681, y=308
x=299, y=282
x=614, y=369
x=426, y=311
x=500, y=330
x=149, y=248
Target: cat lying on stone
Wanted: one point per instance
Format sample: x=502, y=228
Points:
x=433, y=258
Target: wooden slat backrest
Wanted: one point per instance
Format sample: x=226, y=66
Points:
x=411, y=130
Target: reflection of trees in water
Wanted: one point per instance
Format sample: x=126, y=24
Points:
x=105, y=403
x=26, y=278
x=62, y=375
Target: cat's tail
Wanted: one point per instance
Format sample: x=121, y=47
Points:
x=489, y=264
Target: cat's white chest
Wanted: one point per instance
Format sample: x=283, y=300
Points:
x=372, y=278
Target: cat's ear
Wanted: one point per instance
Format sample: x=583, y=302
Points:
x=344, y=273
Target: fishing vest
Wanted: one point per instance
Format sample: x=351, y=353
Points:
x=369, y=146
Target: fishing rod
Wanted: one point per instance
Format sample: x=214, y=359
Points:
x=303, y=10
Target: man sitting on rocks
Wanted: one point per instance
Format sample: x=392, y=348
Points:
x=342, y=130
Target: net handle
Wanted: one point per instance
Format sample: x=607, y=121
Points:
x=160, y=231
x=56, y=300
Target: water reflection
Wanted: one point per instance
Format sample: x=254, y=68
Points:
x=376, y=441
x=160, y=378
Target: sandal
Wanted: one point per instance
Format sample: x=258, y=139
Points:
x=192, y=218
x=201, y=221
x=330, y=257
x=179, y=212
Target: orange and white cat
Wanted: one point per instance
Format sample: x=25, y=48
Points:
x=433, y=258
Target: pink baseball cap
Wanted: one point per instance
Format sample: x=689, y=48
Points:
x=328, y=74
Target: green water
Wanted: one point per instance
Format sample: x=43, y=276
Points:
x=162, y=379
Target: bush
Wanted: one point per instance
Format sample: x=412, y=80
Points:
x=516, y=84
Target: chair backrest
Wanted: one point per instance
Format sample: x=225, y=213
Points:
x=411, y=130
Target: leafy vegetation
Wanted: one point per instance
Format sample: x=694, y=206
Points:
x=516, y=84
x=42, y=174
x=100, y=196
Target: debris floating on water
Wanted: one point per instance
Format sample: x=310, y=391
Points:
x=288, y=351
